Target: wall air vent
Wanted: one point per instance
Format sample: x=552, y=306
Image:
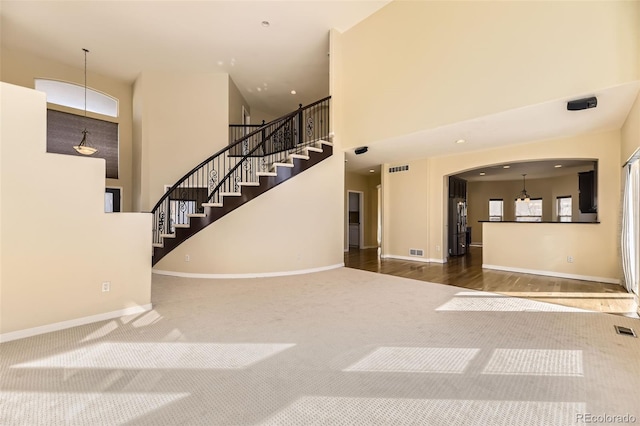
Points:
x=625, y=331
x=416, y=252
x=399, y=169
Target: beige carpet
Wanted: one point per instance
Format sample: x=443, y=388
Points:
x=342, y=347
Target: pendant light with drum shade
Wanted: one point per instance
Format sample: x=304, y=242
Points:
x=523, y=196
x=83, y=147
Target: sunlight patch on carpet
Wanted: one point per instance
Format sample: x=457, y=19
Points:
x=536, y=362
x=79, y=408
x=466, y=301
x=416, y=360
x=165, y=355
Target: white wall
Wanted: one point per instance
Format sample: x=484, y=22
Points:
x=631, y=132
x=57, y=244
x=257, y=116
x=236, y=102
x=543, y=248
x=405, y=203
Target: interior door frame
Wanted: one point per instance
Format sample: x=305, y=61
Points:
x=246, y=118
x=119, y=190
x=360, y=217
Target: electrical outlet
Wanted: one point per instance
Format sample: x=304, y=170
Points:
x=569, y=259
x=106, y=286
x=187, y=258
x=437, y=248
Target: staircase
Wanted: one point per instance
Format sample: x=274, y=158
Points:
x=249, y=166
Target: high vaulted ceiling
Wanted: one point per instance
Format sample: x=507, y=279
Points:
x=128, y=37
x=268, y=62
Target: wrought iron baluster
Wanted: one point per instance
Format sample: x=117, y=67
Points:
x=257, y=147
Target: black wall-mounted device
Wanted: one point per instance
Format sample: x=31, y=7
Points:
x=361, y=150
x=580, y=104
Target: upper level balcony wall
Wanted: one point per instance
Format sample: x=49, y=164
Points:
x=413, y=66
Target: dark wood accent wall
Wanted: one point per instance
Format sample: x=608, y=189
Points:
x=64, y=130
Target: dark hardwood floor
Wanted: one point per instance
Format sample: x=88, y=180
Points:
x=466, y=271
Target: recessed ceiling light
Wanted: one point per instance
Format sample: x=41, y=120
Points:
x=460, y=141
x=482, y=173
x=506, y=167
x=293, y=92
x=265, y=24
x=372, y=171
x=259, y=89
x=557, y=166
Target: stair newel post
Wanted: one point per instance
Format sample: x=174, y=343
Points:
x=300, y=136
x=264, y=135
x=164, y=218
x=155, y=228
x=223, y=172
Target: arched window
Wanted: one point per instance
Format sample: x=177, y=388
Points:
x=72, y=95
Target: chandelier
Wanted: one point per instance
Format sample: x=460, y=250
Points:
x=83, y=147
x=523, y=196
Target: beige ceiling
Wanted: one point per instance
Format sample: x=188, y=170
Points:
x=532, y=169
x=128, y=37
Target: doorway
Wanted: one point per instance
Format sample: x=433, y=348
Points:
x=113, y=199
x=356, y=222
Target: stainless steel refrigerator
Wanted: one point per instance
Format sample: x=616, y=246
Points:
x=457, y=226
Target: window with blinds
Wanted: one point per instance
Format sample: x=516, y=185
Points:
x=529, y=211
x=563, y=208
x=496, y=210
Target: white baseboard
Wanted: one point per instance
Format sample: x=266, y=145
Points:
x=251, y=275
x=412, y=258
x=21, y=334
x=552, y=274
